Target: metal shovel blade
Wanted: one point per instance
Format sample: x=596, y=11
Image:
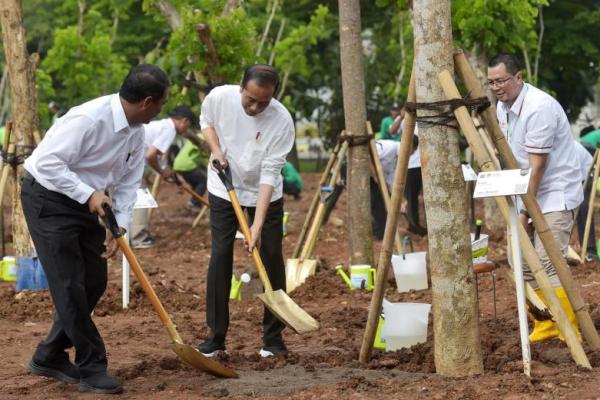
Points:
x=305, y=269
x=288, y=312
x=291, y=273
x=197, y=360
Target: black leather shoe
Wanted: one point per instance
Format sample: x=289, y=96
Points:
x=63, y=371
x=101, y=383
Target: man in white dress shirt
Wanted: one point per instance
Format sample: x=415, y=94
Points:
x=95, y=147
x=251, y=134
x=539, y=135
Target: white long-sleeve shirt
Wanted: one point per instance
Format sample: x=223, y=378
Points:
x=92, y=148
x=255, y=147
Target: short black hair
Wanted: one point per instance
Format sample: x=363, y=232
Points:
x=144, y=80
x=262, y=74
x=182, y=111
x=510, y=61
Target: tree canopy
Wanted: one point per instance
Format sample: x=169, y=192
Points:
x=87, y=46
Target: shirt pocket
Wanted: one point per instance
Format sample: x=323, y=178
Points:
x=250, y=164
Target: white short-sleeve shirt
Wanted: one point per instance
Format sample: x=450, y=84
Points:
x=388, y=155
x=585, y=160
x=255, y=146
x=159, y=134
x=536, y=123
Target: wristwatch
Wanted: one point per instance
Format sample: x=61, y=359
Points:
x=524, y=212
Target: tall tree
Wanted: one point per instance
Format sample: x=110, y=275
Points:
x=21, y=70
x=457, y=349
x=355, y=112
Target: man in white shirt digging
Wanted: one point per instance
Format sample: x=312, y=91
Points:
x=539, y=135
x=158, y=136
x=250, y=133
x=93, y=147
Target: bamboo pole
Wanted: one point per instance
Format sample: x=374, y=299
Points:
x=529, y=253
x=382, y=185
x=541, y=227
x=8, y=148
x=315, y=200
x=385, y=256
x=590, y=213
x=311, y=240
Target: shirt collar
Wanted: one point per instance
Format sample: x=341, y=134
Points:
x=119, y=118
x=517, y=106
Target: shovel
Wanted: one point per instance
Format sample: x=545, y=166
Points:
x=277, y=301
x=187, y=353
x=191, y=192
x=298, y=269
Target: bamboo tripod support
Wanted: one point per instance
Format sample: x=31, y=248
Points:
x=590, y=213
x=381, y=181
x=541, y=227
x=585, y=181
x=315, y=200
x=486, y=164
x=391, y=224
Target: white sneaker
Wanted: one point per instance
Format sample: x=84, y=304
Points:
x=239, y=235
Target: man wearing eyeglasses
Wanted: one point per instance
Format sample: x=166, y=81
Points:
x=539, y=135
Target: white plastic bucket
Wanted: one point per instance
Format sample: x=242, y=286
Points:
x=405, y=324
x=479, y=248
x=410, y=272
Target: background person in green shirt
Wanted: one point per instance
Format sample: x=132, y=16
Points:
x=590, y=136
x=385, y=131
x=292, y=181
x=190, y=163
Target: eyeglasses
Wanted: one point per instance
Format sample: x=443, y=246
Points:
x=499, y=82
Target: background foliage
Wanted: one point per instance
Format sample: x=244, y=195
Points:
x=87, y=46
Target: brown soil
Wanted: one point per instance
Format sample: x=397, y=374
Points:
x=321, y=365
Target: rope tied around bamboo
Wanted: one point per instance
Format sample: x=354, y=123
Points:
x=359, y=140
x=14, y=159
x=445, y=110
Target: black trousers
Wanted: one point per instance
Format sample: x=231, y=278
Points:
x=69, y=242
x=223, y=226
x=414, y=186
x=197, y=179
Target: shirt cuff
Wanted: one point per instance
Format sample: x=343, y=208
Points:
x=538, y=150
x=268, y=179
x=123, y=220
x=82, y=193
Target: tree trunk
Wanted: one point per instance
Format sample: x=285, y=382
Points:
x=21, y=70
x=170, y=13
x=360, y=233
x=457, y=350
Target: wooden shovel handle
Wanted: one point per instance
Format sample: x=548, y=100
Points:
x=195, y=195
x=262, y=273
x=111, y=224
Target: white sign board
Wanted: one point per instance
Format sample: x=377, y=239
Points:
x=468, y=173
x=502, y=183
x=145, y=199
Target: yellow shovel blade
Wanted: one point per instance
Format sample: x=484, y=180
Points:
x=197, y=360
x=291, y=273
x=572, y=257
x=305, y=269
x=288, y=312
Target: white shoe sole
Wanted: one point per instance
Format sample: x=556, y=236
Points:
x=265, y=353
